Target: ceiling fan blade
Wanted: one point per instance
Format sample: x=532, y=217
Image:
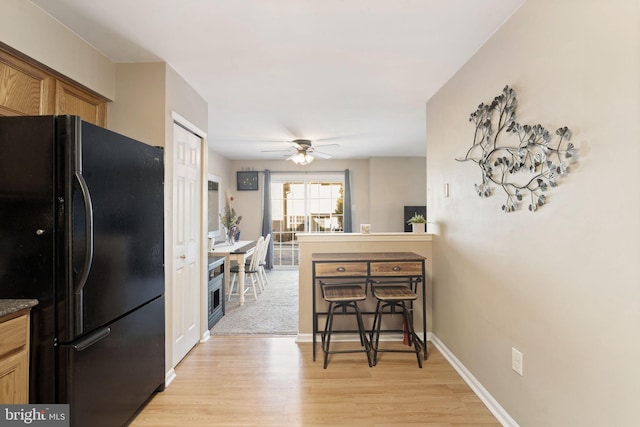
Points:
x=277, y=151
x=327, y=145
x=322, y=155
x=333, y=138
x=304, y=146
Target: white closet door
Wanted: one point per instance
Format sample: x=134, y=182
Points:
x=186, y=238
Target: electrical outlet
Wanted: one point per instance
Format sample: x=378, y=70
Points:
x=517, y=361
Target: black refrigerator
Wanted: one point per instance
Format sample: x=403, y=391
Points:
x=82, y=231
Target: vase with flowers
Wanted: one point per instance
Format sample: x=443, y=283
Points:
x=230, y=221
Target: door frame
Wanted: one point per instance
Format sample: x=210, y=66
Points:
x=169, y=247
x=303, y=178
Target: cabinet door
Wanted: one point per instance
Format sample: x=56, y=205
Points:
x=77, y=102
x=26, y=90
x=14, y=375
x=14, y=360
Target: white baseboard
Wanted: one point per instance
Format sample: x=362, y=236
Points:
x=492, y=404
x=169, y=377
x=304, y=338
x=205, y=337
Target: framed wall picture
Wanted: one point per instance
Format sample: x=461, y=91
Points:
x=247, y=180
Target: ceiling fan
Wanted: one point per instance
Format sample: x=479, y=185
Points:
x=304, y=152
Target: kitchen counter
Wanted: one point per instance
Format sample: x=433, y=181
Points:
x=10, y=306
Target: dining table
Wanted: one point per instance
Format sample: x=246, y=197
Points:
x=239, y=252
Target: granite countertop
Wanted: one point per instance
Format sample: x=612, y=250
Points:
x=9, y=306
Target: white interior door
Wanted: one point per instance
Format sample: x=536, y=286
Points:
x=186, y=238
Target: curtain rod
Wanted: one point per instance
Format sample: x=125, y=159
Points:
x=303, y=173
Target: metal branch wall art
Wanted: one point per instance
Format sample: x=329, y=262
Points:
x=525, y=169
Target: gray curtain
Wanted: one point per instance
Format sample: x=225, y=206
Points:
x=266, y=217
x=346, y=205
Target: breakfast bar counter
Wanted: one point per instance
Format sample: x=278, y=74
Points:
x=366, y=267
x=358, y=243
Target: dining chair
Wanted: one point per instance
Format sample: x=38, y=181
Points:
x=263, y=260
x=251, y=272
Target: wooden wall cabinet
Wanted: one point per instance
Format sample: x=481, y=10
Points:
x=14, y=358
x=24, y=89
x=77, y=102
x=28, y=88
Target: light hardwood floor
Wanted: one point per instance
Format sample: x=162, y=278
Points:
x=272, y=381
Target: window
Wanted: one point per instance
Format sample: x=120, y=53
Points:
x=303, y=204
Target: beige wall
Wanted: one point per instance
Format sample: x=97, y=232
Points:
x=183, y=99
x=395, y=182
x=562, y=284
x=25, y=27
x=221, y=167
x=139, y=104
x=218, y=167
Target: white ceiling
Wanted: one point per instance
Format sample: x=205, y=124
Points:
x=353, y=72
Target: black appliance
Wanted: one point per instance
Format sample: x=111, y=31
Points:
x=82, y=230
x=215, y=287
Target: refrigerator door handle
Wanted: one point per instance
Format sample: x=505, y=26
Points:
x=88, y=251
x=90, y=340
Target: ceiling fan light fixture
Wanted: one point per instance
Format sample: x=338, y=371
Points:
x=302, y=158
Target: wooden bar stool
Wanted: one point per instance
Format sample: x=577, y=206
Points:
x=396, y=297
x=344, y=295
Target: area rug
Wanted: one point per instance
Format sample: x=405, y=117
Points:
x=275, y=312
